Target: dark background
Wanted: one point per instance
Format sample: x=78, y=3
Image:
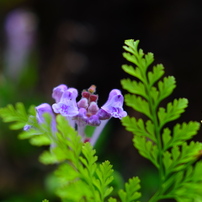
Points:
x=79, y=43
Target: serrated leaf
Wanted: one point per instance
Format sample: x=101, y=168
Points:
x=172, y=112
x=150, y=129
x=166, y=137
x=16, y=115
x=131, y=58
x=184, y=132
x=90, y=158
x=137, y=127
x=67, y=136
x=175, y=153
x=187, y=184
x=104, y=178
x=47, y=158
x=156, y=74
x=166, y=87
x=149, y=58
x=133, y=71
x=167, y=160
x=178, y=159
x=40, y=140
x=190, y=151
x=147, y=149
x=155, y=95
x=65, y=173
x=134, y=87
x=130, y=194
x=181, y=133
x=138, y=104
x=75, y=190
x=131, y=45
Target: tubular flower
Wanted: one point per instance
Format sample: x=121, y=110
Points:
x=40, y=111
x=58, y=91
x=66, y=104
x=114, y=105
x=85, y=111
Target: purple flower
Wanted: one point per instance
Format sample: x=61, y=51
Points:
x=58, y=91
x=83, y=103
x=81, y=118
x=67, y=105
x=93, y=120
x=85, y=111
x=41, y=110
x=103, y=115
x=114, y=105
x=93, y=108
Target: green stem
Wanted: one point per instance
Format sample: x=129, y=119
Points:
x=153, y=108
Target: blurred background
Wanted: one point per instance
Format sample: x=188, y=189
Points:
x=79, y=43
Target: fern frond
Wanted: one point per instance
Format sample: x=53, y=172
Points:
x=165, y=148
x=137, y=127
x=138, y=104
x=147, y=149
x=17, y=116
x=103, y=179
x=181, y=133
x=130, y=194
x=172, y=111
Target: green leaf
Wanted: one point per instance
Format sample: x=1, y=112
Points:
x=167, y=161
x=131, y=58
x=188, y=186
x=131, y=46
x=130, y=194
x=166, y=87
x=165, y=148
x=136, y=56
x=181, y=133
x=68, y=137
x=133, y=71
x=166, y=137
x=178, y=159
x=138, y=104
x=134, y=87
x=16, y=115
x=76, y=190
x=147, y=149
x=65, y=173
x=184, y=132
x=137, y=127
x=156, y=74
x=89, y=158
x=40, y=140
x=103, y=179
x=48, y=158
x=172, y=112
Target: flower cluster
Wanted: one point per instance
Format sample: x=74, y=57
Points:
x=85, y=111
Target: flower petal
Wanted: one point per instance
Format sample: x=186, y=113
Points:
x=93, y=120
x=58, y=91
x=114, y=104
x=67, y=105
x=41, y=110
